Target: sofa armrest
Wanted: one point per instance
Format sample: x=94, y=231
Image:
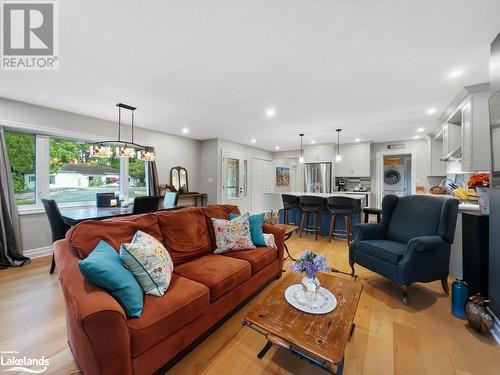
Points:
x=278, y=231
x=369, y=232
x=97, y=325
x=424, y=243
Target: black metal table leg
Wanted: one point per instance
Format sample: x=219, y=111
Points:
x=287, y=237
x=264, y=350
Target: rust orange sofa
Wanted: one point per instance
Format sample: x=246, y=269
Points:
x=204, y=289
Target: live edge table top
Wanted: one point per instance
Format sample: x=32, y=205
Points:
x=324, y=336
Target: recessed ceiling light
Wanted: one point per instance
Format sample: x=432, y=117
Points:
x=416, y=137
x=420, y=130
x=253, y=140
x=270, y=112
x=185, y=130
x=357, y=140
x=430, y=111
x=455, y=73
x=277, y=148
x=313, y=142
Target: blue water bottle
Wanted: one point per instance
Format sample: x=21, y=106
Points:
x=459, y=297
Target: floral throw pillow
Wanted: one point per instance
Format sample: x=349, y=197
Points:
x=272, y=217
x=150, y=263
x=233, y=234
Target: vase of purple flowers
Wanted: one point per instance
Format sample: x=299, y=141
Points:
x=310, y=264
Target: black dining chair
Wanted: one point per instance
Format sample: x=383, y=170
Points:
x=290, y=202
x=147, y=204
x=170, y=200
x=57, y=224
x=311, y=204
x=341, y=206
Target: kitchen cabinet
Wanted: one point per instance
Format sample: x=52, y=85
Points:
x=435, y=166
x=452, y=138
x=476, y=154
x=355, y=161
x=319, y=154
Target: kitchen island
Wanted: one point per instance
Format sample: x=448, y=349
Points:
x=295, y=216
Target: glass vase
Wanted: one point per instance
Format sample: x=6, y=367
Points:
x=311, y=286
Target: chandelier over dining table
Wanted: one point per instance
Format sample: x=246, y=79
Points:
x=122, y=148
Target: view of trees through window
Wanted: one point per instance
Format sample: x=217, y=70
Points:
x=74, y=176
x=21, y=149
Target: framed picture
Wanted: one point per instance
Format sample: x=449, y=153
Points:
x=282, y=176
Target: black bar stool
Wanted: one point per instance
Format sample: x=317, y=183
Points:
x=310, y=204
x=289, y=203
x=372, y=211
x=342, y=206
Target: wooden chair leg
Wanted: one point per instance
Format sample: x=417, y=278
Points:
x=53, y=265
x=444, y=284
x=285, y=216
x=348, y=221
x=302, y=223
x=404, y=293
x=330, y=232
x=315, y=227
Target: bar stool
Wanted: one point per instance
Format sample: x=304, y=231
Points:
x=310, y=204
x=372, y=211
x=289, y=203
x=341, y=206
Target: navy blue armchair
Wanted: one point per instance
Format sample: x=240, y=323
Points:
x=411, y=244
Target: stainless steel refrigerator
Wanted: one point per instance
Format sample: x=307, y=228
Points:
x=318, y=177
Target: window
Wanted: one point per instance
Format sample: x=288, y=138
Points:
x=75, y=177
x=21, y=149
x=137, y=178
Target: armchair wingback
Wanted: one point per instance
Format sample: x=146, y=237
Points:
x=412, y=243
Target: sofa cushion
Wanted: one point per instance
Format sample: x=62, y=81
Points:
x=231, y=235
x=258, y=258
x=185, y=234
x=390, y=251
x=219, y=273
x=184, y=301
x=217, y=211
x=85, y=236
x=256, y=221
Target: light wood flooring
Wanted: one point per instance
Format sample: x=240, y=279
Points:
x=390, y=338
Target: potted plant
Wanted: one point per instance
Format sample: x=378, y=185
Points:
x=480, y=182
x=310, y=264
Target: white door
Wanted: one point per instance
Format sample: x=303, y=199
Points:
x=235, y=180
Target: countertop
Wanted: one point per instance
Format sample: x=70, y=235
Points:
x=326, y=195
x=472, y=206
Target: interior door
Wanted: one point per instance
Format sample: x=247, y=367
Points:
x=235, y=180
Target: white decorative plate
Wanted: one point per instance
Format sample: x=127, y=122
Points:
x=324, y=303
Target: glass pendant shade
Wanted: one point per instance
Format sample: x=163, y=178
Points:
x=301, y=160
x=338, y=158
x=146, y=155
x=125, y=152
x=101, y=151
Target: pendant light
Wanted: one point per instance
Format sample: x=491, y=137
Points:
x=338, y=157
x=301, y=158
x=123, y=149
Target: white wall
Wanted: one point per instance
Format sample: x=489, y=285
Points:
x=171, y=150
x=208, y=169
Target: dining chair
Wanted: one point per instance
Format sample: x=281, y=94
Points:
x=170, y=200
x=147, y=204
x=57, y=225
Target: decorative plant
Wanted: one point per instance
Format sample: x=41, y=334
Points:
x=310, y=264
x=479, y=180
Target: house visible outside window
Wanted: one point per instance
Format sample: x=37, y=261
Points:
x=77, y=176
x=21, y=149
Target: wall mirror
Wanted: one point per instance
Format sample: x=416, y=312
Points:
x=179, y=179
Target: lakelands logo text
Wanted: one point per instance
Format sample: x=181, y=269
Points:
x=17, y=363
x=30, y=35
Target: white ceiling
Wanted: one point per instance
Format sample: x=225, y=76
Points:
x=372, y=68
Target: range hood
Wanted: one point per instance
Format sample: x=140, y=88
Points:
x=455, y=155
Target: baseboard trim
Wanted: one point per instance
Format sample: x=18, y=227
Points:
x=38, y=252
x=495, y=331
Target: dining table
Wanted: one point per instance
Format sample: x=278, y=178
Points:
x=73, y=216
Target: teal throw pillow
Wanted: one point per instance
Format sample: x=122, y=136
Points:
x=104, y=268
x=256, y=232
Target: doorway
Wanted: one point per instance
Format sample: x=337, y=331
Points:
x=235, y=179
x=395, y=174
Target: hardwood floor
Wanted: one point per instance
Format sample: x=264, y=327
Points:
x=390, y=338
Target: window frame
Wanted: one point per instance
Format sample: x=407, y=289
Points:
x=42, y=164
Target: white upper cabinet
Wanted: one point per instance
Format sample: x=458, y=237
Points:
x=452, y=138
x=435, y=166
x=355, y=161
x=476, y=154
x=319, y=154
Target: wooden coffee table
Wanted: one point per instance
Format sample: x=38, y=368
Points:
x=320, y=339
